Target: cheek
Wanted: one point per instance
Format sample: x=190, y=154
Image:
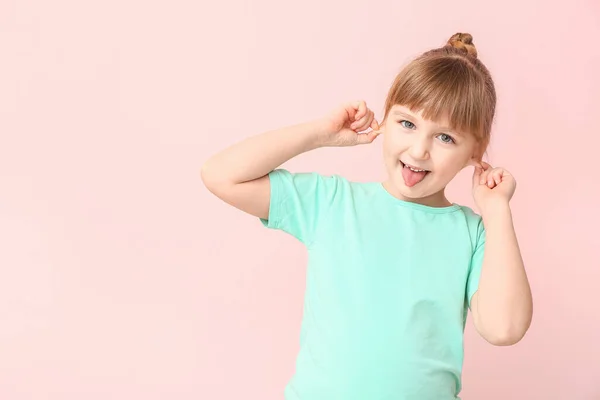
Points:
x=392, y=143
x=450, y=165
x=388, y=146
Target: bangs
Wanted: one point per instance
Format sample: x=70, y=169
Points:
x=444, y=89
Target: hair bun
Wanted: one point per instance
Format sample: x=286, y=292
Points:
x=464, y=42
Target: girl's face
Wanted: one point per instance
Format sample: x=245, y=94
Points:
x=423, y=156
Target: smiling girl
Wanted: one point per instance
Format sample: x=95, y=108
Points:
x=394, y=266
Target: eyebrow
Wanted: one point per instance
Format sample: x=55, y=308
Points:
x=410, y=116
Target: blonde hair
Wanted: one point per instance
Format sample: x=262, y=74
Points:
x=449, y=82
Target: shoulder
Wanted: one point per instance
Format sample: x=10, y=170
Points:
x=475, y=225
x=470, y=214
x=331, y=182
x=330, y=190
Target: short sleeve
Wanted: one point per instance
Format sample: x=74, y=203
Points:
x=476, y=263
x=298, y=201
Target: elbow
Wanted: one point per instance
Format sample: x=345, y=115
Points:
x=507, y=335
x=504, y=327
x=504, y=338
x=215, y=182
x=208, y=178
x=205, y=174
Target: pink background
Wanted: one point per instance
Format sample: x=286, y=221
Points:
x=123, y=278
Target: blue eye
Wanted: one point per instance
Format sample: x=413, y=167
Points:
x=446, y=138
x=407, y=124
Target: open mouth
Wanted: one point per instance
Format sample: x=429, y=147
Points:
x=412, y=174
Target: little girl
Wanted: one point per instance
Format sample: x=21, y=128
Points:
x=394, y=266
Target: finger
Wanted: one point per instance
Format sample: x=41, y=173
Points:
x=477, y=171
x=484, y=176
x=366, y=138
x=494, y=177
x=498, y=177
x=363, y=123
x=361, y=110
x=486, y=166
x=375, y=125
x=369, y=121
x=356, y=125
x=351, y=109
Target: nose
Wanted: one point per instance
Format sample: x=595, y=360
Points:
x=419, y=149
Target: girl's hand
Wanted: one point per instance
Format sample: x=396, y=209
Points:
x=342, y=126
x=492, y=187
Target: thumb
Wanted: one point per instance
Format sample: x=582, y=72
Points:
x=366, y=138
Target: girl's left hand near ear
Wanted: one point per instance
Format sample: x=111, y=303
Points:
x=492, y=185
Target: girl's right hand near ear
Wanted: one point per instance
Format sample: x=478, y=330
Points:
x=238, y=174
x=343, y=126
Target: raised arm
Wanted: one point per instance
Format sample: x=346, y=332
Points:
x=238, y=175
x=502, y=306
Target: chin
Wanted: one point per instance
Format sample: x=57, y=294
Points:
x=413, y=193
x=422, y=190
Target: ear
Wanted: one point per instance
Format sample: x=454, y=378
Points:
x=381, y=130
x=474, y=162
x=477, y=157
x=382, y=124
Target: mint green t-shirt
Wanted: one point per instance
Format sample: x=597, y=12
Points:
x=387, y=293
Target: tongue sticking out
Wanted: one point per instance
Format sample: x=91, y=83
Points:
x=411, y=178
